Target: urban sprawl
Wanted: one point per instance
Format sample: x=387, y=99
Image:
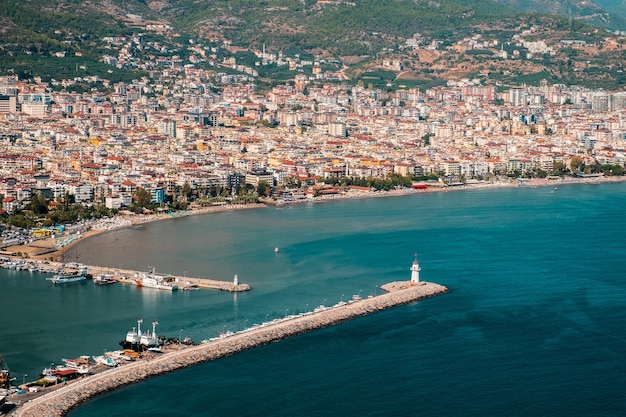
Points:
x=194, y=136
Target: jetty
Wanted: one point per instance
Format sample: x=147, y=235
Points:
x=126, y=276
x=59, y=401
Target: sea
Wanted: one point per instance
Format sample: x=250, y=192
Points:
x=534, y=323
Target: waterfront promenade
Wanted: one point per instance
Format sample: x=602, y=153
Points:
x=60, y=401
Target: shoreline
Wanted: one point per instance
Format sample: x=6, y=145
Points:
x=61, y=400
x=45, y=249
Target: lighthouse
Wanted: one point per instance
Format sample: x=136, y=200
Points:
x=236, y=280
x=415, y=271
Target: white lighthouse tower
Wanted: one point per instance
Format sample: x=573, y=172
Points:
x=415, y=271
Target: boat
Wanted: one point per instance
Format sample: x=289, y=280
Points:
x=138, y=341
x=276, y=250
x=191, y=287
x=104, y=280
x=133, y=337
x=150, y=340
x=5, y=375
x=104, y=360
x=152, y=280
x=80, y=364
x=67, y=277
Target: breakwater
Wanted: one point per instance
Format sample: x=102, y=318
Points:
x=127, y=276
x=61, y=400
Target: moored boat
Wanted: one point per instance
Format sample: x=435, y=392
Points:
x=152, y=280
x=104, y=280
x=150, y=340
x=67, y=277
x=104, y=360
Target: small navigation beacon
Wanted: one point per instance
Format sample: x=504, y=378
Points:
x=415, y=270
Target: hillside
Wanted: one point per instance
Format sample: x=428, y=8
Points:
x=338, y=28
x=610, y=14
x=413, y=42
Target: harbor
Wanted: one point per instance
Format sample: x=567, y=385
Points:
x=58, y=401
x=123, y=276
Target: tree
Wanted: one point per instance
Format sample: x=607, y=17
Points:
x=38, y=205
x=142, y=197
x=575, y=163
x=263, y=188
x=185, y=191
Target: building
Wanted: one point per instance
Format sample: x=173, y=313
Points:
x=255, y=177
x=8, y=104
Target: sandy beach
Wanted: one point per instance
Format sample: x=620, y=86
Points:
x=47, y=249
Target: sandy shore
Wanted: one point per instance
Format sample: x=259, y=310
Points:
x=46, y=249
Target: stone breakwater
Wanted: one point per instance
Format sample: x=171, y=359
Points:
x=60, y=401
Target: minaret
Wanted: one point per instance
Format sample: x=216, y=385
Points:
x=415, y=271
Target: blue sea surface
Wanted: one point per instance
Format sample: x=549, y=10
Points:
x=533, y=325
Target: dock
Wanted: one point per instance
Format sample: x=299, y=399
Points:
x=58, y=402
x=125, y=276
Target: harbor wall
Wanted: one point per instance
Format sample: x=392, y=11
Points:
x=60, y=401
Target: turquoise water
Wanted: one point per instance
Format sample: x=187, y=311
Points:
x=533, y=324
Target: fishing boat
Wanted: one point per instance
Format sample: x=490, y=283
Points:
x=104, y=360
x=69, y=276
x=104, y=279
x=80, y=364
x=150, y=340
x=133, y=337
x=5, y=375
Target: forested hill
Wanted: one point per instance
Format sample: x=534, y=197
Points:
x=430, y=40
x=343, y=28
x=610, y=14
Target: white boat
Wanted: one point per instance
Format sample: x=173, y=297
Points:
x=105, y=361
x=150, y=340
x=152, y=280
x=104, y=279
x=67, y=277
x=81, y=364
x=134, y=336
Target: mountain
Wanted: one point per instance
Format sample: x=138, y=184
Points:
x=610, y=14
x=414, y=42
x=617, y=7
x=342, y=28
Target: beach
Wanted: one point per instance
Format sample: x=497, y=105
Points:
x=47, y=249
x=517, y=303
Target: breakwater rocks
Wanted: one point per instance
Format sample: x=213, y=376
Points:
x=60, y=401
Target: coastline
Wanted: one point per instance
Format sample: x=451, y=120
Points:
x=45, y=249
x=61, y=400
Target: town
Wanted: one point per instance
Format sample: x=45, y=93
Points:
x=190, y=137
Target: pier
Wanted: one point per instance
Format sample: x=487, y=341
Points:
x=125, y=276
x=59, y=401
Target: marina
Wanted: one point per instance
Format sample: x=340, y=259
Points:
x=74, y=272
x=61, y=400
x=545, y=326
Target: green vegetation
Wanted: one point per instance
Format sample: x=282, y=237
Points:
x=389, y=183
